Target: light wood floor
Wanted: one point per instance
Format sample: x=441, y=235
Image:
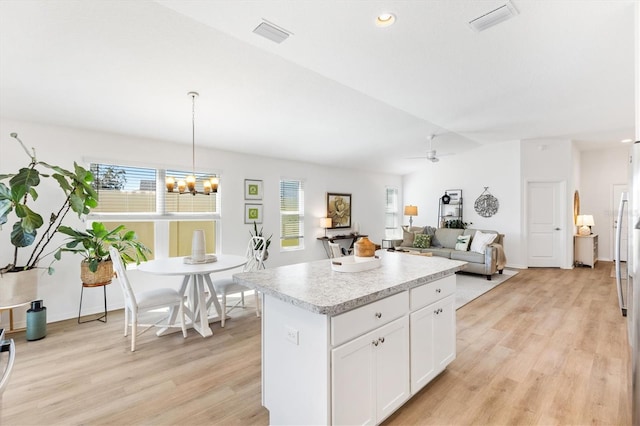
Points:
x=547, y=347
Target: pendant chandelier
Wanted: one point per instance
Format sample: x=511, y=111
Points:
x=188, y=185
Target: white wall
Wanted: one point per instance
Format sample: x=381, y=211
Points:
x=601, y=169
x=496, y=166
x=62, y=146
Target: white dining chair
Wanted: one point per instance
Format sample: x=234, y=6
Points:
x=145, y=301
x=335, y=250
x=226, y=286
x=8, y=346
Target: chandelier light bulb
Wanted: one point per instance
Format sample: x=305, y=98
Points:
x=171, y=183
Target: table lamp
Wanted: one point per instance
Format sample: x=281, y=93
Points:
x=410, y=211
x=325, y=222
x=585, y=222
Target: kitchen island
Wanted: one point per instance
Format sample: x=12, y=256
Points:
x=351, y=348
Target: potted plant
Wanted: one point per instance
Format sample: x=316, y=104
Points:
x=93, y=245
x=18, y=283
x=258, y=246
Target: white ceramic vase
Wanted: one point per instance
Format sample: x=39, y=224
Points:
x=198, y=246
x=17, y=288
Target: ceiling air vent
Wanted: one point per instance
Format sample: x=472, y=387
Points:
x=494, y=17
x=272, y=32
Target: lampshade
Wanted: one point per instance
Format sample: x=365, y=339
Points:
x=325, y=222
x=411, y=210
x=584, y=221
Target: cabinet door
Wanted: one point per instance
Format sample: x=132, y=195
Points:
x=433, y=341
x=422, y=356
x=353, y=381
x=370, y=375
x=392, y=367
x=444, y=333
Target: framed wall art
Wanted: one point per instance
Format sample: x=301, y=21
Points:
x=253, y=213
x=486, y=205
x=252, y=189
x=339, y=210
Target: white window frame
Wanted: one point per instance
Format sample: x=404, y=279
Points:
x=392, y=209
x=299, y=213
x=161, y=217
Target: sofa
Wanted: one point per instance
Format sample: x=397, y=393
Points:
x=485, y=256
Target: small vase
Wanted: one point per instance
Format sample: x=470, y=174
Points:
x=364, y=248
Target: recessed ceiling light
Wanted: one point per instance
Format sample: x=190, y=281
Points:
x=626, y=140
x=385, y=19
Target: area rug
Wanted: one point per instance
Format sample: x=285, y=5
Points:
x=472, y=286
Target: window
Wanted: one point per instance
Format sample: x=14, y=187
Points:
x=137, y=198
x=391, y=212
x=291, y=215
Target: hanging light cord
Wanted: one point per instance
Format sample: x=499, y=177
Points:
x=193, y=132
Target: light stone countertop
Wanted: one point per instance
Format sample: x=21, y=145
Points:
x=316, y=287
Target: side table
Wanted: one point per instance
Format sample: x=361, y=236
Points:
x=104, y=285
x=390, y=242
x=10, y=309
x=585, y=250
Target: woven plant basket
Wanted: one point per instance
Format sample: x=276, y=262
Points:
x=103, y=274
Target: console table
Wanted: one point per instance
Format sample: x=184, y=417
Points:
x=348, y=240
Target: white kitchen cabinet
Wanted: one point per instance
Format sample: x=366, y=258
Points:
x=370, y=375
x=444, y=341
x=347, y=358
x=433, y=342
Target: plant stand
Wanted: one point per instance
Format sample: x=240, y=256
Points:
x=102, y=318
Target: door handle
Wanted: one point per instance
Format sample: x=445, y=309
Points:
x=557, y=229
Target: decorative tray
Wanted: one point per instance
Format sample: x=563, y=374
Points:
x=355, y=263
x=208, y=258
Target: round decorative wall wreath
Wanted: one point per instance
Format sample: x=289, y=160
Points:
x=486, y=205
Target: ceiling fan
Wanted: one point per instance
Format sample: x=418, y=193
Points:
x=431, y=154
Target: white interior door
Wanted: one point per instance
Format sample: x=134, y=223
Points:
x=617, y=191
x=545, y=229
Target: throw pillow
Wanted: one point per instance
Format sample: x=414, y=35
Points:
x=481, y=240
x=407, y=237
x=422, y=241
x=431, y=231
x=462, y=242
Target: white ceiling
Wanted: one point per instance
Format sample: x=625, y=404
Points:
x=340, y=90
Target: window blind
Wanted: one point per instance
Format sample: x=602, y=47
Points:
x=123, y=189
x=291, y=214
x=391, y=209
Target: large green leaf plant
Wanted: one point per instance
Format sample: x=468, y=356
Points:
x=93, y=244
x=18, y=195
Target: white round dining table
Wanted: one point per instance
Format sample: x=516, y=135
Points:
x=193, y=285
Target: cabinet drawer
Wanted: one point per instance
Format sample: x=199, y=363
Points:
x=351, y=324
x=432, y=292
